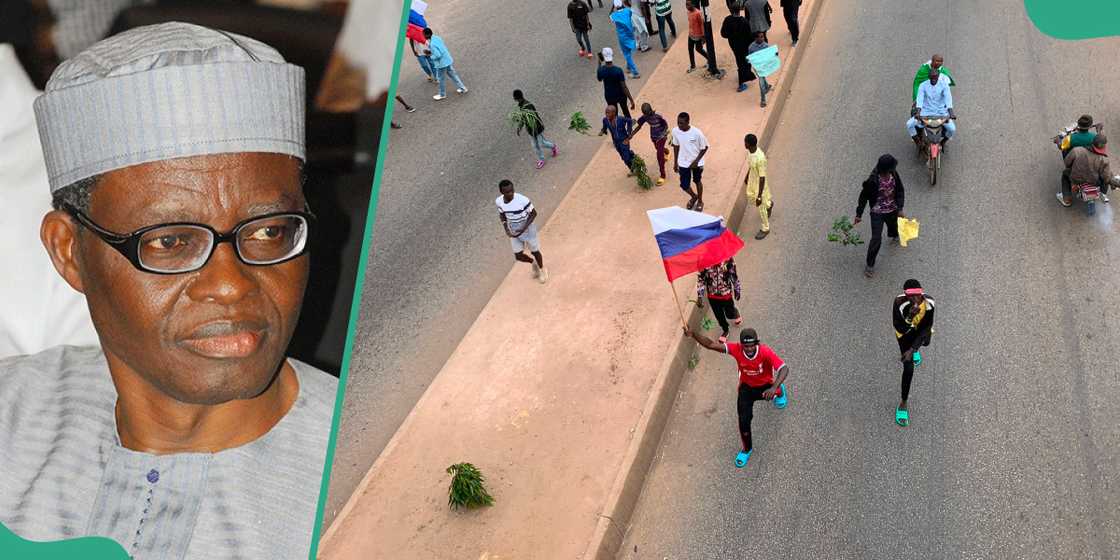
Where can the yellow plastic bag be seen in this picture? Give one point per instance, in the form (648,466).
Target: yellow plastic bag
(907,230)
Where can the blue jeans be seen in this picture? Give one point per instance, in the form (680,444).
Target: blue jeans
(913,125)
(661,21)
(540,142)
(443,73)
(584,40)
(762,87)
(624,152)
(426,65)
(628,54)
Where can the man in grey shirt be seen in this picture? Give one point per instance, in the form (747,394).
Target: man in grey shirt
(174,157)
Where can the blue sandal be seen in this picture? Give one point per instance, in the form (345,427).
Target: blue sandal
(902,417)
(917,358)
(742,458)
(781,401)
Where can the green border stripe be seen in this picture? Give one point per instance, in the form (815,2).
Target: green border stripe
(1074,20)
(355,305)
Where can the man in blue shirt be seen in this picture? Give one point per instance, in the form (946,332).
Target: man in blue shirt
(621,129)
(934,100)
(624,27)
(441,64)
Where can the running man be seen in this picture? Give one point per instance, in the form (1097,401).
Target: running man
(912,315)
(658,134)
(519,222)
(758,365)
(689,147)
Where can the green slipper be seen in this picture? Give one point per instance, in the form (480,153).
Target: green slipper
(901,417)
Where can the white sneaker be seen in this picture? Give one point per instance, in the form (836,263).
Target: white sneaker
(536,271)
(462,90)
(439,97)
(543,276)
(1104,197)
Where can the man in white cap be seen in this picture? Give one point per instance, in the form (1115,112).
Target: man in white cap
(174,155)
(615,91)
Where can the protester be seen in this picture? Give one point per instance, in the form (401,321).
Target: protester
(615,91)
(789,10)
(534,126)
(695,34)
(424,60)
(737,30)
(442,64)
(621,129)
(759,44)
(186,419)
(664,11)
(1087,166)
(912,316)
(658,134)
(581,25)
(623,19)
(721,284)
(884,193)
(641,28)
(689,147)
(935,62)
(757,191)
(758,12)
(758,365)
(518,218)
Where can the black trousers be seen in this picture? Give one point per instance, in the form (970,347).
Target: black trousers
(908,365)
(745,405)
(724,310)
(622,105)
(696,46)
(746,74)
(877,222)
(791,21)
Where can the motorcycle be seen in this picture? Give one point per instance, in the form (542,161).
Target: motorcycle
(1084,192)
(929,144)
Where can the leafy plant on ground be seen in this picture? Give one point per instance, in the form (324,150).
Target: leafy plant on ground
(468,487)
(638,168)
(842,232)
(708,323)
(519,117)
(578,123)
(693,360)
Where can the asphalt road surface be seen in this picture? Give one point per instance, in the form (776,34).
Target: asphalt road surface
(438,251)
(1014,445)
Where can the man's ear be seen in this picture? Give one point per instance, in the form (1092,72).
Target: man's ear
(59,234)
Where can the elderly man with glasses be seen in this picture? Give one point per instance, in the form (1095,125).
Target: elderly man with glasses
(174,157)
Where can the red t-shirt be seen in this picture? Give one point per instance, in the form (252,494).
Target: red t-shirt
(759,370)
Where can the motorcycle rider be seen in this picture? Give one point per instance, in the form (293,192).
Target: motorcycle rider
(936,62)
(1086,166)
(934,100)
(1081,136)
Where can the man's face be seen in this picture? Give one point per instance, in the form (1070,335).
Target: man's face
(647,110)
(936,62)
(933,76)
(750,349)
(209,336)
(507,193)
(916,301)
(682,123)
(611,112)
(750,147)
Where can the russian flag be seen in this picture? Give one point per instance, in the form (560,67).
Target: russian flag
(416,21)
(691,241)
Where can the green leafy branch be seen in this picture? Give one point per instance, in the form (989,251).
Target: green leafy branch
(638,168)
(520,118)
(467,487)
(578,123)
(842,232)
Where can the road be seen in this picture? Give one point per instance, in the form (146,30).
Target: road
(1014,447)
(438,252)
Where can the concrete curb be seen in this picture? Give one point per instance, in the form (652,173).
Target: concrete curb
(627,488)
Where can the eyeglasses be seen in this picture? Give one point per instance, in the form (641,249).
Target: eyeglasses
(181,247)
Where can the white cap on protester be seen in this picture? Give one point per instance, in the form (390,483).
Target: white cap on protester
(618,3)
(168,91)
(608,54)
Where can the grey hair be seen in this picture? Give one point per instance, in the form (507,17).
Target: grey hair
(75,195)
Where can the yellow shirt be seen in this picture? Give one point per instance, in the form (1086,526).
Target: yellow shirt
(757,162)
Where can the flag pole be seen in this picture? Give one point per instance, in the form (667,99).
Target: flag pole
(677,300)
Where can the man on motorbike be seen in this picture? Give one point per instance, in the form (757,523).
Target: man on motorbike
(933,100)
(1086,166)
(935,62)
(1081,136)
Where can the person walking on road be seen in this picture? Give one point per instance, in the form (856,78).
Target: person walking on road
(695,34)
(663,9)
(689,147)
(621,128)
(789,10)
(646,8)
(884,194)
(581,25)
(623,19)
(519,222)
(658,134)
(641,28)
(759,44)
(441,64)
(758,12)
(737,30)
(424,60)
(762,376)
(530,120)
(614,82)
(757,191)
(721,284)
(912,315)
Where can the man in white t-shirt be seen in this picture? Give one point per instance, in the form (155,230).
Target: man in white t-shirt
(519,222)
(689,147)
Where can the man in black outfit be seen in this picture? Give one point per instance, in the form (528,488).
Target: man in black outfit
(912,315)
(789,10)
(884,194)
(737,30)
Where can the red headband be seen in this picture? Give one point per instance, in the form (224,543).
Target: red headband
(914,292)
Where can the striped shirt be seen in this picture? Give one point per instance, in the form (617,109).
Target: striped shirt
(663,7)
(66,475)
(516,211)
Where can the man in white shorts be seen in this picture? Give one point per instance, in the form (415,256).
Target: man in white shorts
(519,222)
